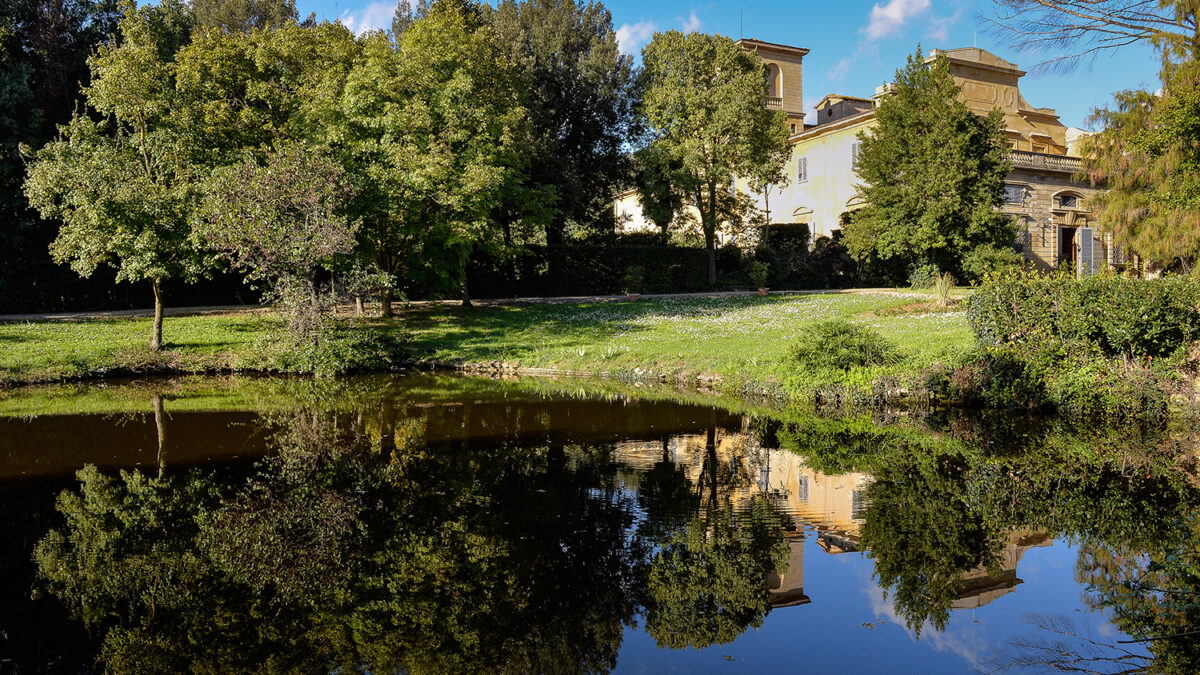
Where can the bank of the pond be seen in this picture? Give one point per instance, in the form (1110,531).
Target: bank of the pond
(733,344)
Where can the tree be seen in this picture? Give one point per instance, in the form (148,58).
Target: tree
(704,107)
(281,222)
(1146,156)
(44,46)
(243,15)
(123,186)
(659,194)
(932,174)
(1079,30)
(433,127)
(578,94)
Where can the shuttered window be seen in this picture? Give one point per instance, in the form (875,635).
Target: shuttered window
(801,169)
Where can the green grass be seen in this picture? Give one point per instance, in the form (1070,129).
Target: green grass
(56,350)
(741,339)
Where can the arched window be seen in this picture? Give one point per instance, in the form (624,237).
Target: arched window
(774,81)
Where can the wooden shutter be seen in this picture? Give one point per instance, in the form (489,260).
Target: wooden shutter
(801,169)
(1087,250)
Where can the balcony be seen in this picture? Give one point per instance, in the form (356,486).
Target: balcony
(774,103)
(1022,159)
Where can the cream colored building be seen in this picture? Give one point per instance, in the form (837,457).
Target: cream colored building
(1041,193)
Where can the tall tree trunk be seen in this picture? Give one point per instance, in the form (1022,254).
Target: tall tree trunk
(160,425)
(385,303)
(708,222)
(358,305)
(156,341)
(463,259)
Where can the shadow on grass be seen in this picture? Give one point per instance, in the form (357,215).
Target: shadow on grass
(517,331)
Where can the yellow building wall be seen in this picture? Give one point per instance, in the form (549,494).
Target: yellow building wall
(831,184)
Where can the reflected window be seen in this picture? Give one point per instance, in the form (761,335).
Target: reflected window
(802,490)
(858,504)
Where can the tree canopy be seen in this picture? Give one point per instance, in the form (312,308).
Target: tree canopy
(932,174)
(704,106)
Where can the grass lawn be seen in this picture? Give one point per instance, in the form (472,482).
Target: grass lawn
(742,339)
(739,338)
(54,350)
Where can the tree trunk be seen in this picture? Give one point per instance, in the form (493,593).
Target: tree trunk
(462,280)
(385,304)
(710,248)
(156,341)
(358,305)
(315,293)
(160,425)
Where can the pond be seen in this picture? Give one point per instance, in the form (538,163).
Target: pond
(452,524)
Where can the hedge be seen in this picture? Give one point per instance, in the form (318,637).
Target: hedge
(1105,316)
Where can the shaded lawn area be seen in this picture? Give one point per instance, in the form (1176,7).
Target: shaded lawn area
(59,349)
(738,337)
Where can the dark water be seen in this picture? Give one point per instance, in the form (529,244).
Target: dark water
(459,525)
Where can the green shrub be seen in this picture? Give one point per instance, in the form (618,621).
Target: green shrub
(923,275)
(842,345)
(1107,316)
(758,273)
(632,281)
(1099,388)
(991,262)
(336,350)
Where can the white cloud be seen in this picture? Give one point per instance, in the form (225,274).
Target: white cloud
(375,16)
(691,24)
(939,26)
(889,18)
(842,67)
(631,36)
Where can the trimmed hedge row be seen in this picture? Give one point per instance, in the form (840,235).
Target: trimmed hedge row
(1106,316)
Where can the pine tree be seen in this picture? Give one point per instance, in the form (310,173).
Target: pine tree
(932,174)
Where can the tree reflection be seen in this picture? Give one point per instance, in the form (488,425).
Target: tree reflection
(705,585)
(334,557)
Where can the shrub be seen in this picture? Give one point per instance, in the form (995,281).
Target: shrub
(632,281)
(991,262)
(336,350)
(842,345)
(942,287)
(1108,316)
(923,275)
(758,273)
(1100,388)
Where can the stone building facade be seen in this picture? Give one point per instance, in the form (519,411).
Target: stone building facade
(1042,194)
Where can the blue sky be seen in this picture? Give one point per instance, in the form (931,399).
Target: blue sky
(855,46)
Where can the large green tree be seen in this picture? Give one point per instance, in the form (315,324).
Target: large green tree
(578,94)
(123,186)
(1147,156)
(434,128)
(703,106)
(932,173)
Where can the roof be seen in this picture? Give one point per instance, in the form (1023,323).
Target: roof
(835,98)
(979,58)
(772,47)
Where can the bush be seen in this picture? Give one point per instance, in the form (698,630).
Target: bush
(758,273)
(632,281)
(923,275)
(1100,388)
(990,262)
(842,345)
(336,350)
(1107,316)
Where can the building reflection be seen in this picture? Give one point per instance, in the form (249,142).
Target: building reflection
(831,507)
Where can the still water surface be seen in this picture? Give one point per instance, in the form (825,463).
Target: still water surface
(451,524)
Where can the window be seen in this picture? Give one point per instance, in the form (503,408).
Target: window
(1038,147)
(855,151)
(793,128)
(1068,202)
(801,169)
(1014,194)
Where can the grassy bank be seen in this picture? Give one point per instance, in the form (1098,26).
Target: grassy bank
(737,340)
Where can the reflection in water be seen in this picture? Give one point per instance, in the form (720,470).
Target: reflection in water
(496,532)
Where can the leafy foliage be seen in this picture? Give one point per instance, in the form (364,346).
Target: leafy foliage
(842,345)
(703,107)
(932,171)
